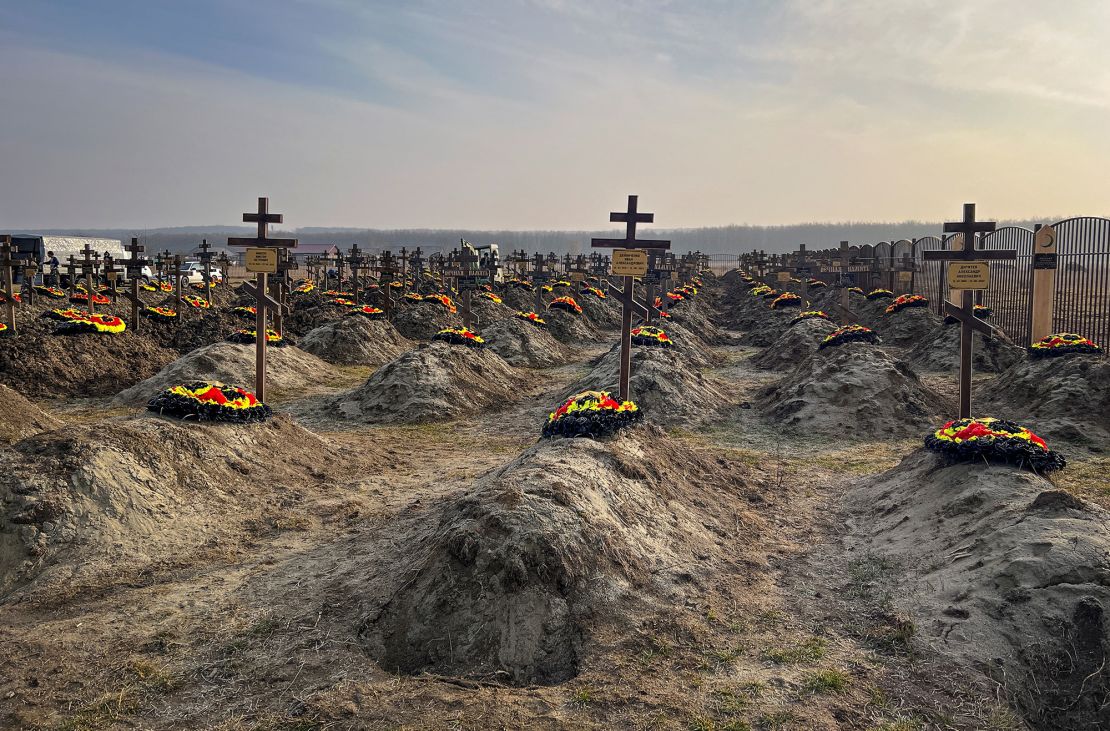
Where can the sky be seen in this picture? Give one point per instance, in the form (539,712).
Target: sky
(546,114)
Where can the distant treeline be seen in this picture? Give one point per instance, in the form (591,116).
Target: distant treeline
(716,240)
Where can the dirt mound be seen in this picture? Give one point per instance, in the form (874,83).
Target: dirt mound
(355,340)
(506,581)
(604,313)
(137,493)
(310,313)
(37,363)
(487,311)
(670,389)
(524,345)
(854,391)
(287,369)
(422,320)
(570,328)
(19,418)
(1005,573)
(763,327)
(793,346)
(432,383)
(696,316)
(939,350)
(520,299)
(907,327)
(1065,398)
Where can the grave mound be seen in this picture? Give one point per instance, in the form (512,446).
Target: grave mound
(431,383)
(695,315)
(853,391)
(939,350)
(307,315)
(570,328)
(355,340)
(422,320)
(41,365)
(19,418)
(508,579)
(764,326)
(797,343)
(525,345)
(1003,572)
(669,387)
(908,326)
(196,331)
(1065,398)
(287,369)
(487,311)
(605,313)
(92,502)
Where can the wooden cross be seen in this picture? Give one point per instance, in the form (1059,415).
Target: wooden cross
(134,267)
(658,272)
(416,261)
(357,261)
(845,284)
(964,312)
(386,268)
(205,258)
(225,267)
(178,282)
(539,276)
(630,218)
(88,268)
(263,218)
(6,263)
(404,259)
(802,271)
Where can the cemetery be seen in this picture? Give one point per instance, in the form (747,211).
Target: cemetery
(624,490)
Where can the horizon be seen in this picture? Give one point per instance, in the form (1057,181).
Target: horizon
(546,114)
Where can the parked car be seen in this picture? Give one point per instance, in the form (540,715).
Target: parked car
(195,273)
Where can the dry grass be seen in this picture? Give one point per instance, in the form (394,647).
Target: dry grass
(1087,479)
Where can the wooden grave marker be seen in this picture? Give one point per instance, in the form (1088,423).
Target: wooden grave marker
(539,276)
(630,217)
(6,264)
(386,268)
(258,290)
(965,269)
(1044,282)
(205,258)
(134,266)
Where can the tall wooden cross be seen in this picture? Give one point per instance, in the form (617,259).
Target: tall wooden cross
(539,276)
(134,266)
(845,284)
(658,272)
(357,261)
(629,218)
(179,273)
(89,266)
(802,270)
(262,240)
(6,263)
(416,262)
(963,269)
(404,260)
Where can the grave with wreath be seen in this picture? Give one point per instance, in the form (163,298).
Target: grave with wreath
(524,341)
(1061,387)
(289,370)
(939,350)
(566,321)
(907,320)
(421,319)
(1006,565)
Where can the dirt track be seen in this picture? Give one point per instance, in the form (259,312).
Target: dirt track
(763,622)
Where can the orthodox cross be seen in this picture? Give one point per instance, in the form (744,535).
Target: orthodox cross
(111,274)
(205,258)
(134,267)
(466,278)
(6,263)
(845,283)
(279,288)
(658,272)
(89,266)
(263,218)
(357,261)
(630,218)
(178,282)
(416,261)
(539,276)
(404,259)
(968,266)
(386,268)
(802,270)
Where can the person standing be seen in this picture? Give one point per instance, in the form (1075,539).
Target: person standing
(52,262)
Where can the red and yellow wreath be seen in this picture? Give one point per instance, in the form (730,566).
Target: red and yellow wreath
(592,414)
(443,300)
(247,313)
(159,313)
(91,323)
(51,292)
(850,334)
(1063,344)
(786,299)
(596,292)
(491,297)
(994,440)
(370,311)
(15,298)
(879,294)
(760,290)
(199,303)
(304,287)
(531,317)
(905,301)
(79,297)
(210,402)
(567,304)
(809,315)
(652,336)
(460,336)
(247,336)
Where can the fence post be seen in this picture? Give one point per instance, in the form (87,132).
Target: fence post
(1043,292)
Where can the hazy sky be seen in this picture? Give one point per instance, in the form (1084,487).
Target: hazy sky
(547,113)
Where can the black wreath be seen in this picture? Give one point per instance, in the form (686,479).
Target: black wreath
(650,342)
(1078,348)
(851,336)
(455,339)
(248,339)
(591,424)
(1008,450)
(183,407)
